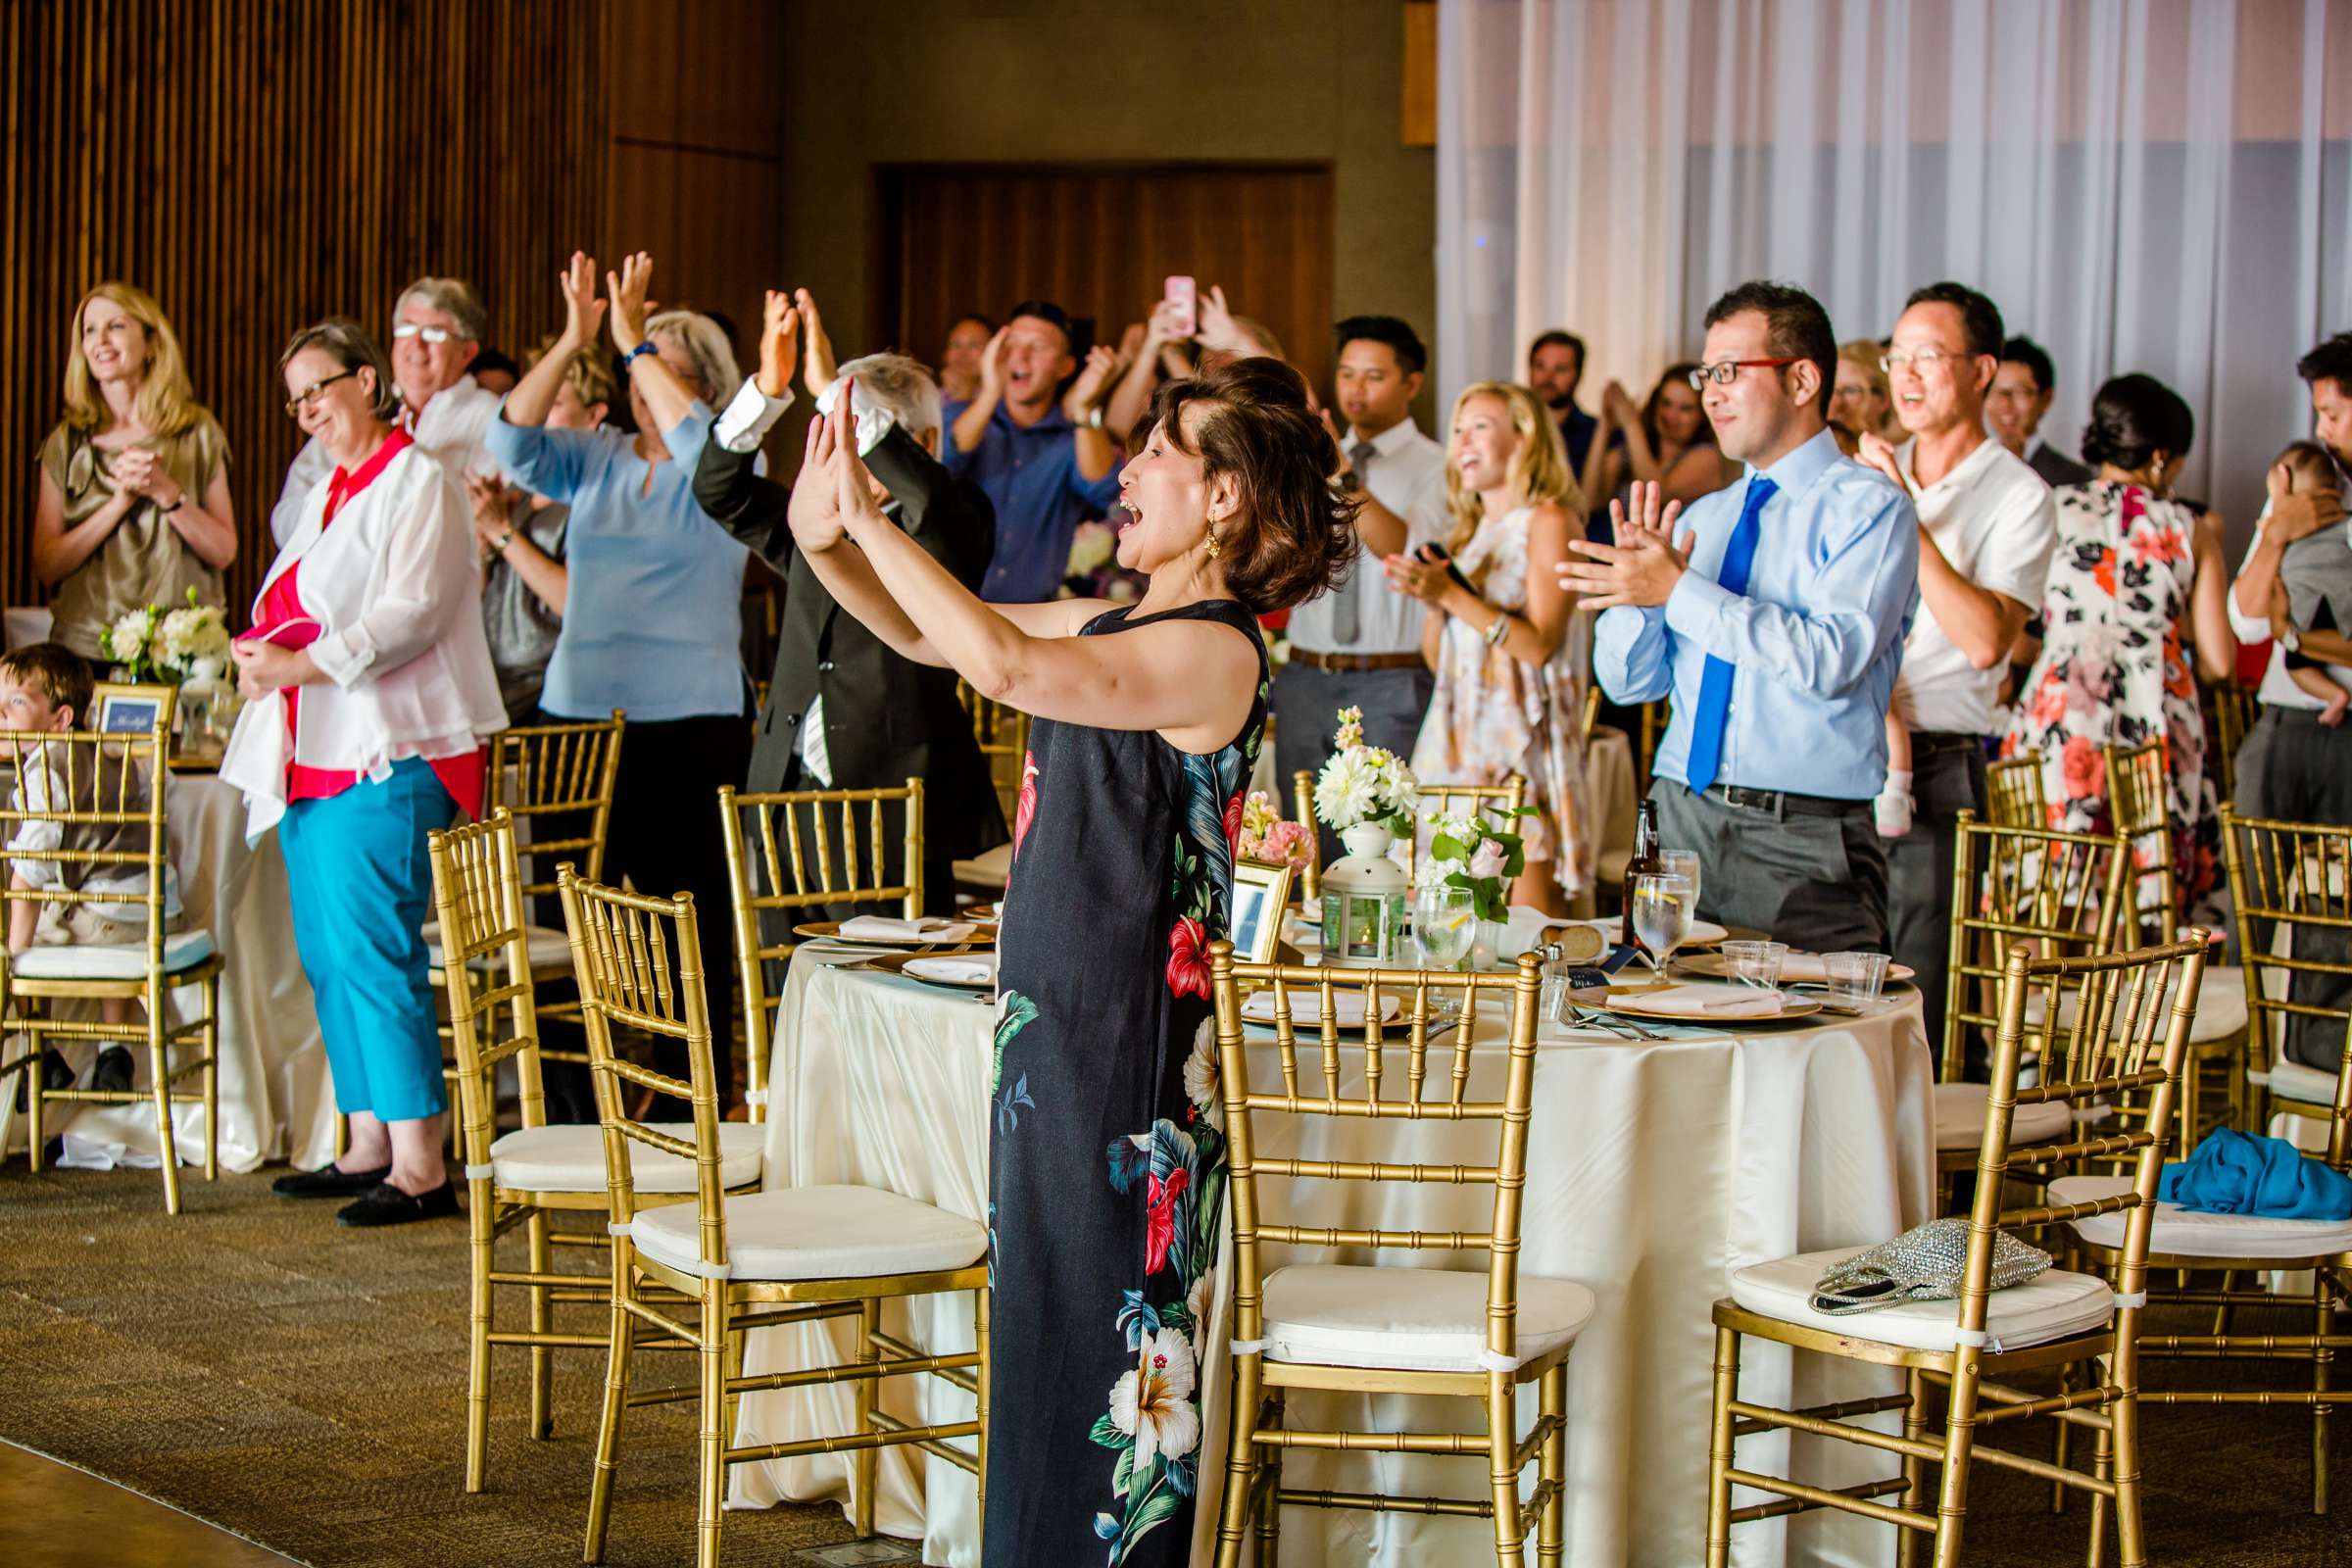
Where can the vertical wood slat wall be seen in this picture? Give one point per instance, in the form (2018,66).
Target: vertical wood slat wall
(258,163)
(1100,241)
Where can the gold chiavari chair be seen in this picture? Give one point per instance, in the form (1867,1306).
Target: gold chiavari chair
(1590,717)
(2192,1239)
(1476,1335)
(750,1262)
(1303,809)
(1505,799)
(555,781)
(2061,895)
(800,854)
(1655,716)
(55,769)
(2015,794)
(2128,1040)
(517,1181)
(2292,883)
(2233,707)
(1003,732)
(2139,803)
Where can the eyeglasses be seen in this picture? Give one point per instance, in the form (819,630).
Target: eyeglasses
(431,334)
(1722,371)
(310,394)
(1923,358)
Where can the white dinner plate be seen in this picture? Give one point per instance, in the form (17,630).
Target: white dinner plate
(1713,1003)
(1797,969)
(1703,933)
(968,972)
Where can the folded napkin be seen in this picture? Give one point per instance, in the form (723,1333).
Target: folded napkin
(1796,966)
(1306,1007)
(2234,1173)
(1713,1001)
(955,968)
(882,929)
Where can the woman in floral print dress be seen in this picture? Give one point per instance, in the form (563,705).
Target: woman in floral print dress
(1107,1168)
(2131,570)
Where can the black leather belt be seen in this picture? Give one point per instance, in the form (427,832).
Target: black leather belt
(1925,741)
(1783,802)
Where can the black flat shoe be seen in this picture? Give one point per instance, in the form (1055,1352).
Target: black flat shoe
(390,1205)
(329,1181)
(56,1073)
(114,1072)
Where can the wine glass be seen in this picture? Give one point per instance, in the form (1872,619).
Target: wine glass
(1445,924)
(1662,905)
(1685,864)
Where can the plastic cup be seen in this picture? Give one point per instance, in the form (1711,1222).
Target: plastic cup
(1854,976)
(1755,964)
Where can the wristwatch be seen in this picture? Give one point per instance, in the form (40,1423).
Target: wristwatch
(178,502)
(506,537)
(2290,639)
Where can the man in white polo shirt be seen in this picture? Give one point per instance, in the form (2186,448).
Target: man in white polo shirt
(1359,645)
(1987,529)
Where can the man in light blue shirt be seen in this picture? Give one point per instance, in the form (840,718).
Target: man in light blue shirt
(1773,613)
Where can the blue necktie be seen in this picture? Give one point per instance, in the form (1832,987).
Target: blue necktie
(1707,722)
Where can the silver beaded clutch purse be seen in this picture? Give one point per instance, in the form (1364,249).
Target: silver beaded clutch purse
(1922,1264)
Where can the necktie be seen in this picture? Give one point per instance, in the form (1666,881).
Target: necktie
(1707,719)
(1346,618)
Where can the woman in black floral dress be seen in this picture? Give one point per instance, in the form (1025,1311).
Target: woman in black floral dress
(1107,1168)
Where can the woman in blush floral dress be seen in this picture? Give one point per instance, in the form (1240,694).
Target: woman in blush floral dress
(1107,1162)
(1506,701)
(2132,570)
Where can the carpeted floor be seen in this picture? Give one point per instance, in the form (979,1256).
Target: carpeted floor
(302,1384)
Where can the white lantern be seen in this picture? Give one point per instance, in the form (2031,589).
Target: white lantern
(1364,901)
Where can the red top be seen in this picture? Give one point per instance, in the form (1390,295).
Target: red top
(463,775)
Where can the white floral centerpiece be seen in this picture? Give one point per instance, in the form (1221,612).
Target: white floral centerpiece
(186,646)
(1471,852)
(1368,797)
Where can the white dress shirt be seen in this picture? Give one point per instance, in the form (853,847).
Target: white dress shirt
(449,429)
(1406,476)
(2279,689)
(1991,517)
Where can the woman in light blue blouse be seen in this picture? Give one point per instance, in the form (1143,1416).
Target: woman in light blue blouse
(653,613)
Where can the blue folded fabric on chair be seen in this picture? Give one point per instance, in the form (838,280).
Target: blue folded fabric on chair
(2231,1173)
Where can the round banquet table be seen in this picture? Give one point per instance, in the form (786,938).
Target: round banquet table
(1655,1169)
(276,1101)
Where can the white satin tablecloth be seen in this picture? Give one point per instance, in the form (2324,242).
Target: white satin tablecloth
(1655,1170)
(276,1101)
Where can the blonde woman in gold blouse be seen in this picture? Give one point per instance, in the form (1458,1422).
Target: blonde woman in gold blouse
(135,504)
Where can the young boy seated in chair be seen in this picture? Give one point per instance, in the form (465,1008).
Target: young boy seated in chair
(47,687)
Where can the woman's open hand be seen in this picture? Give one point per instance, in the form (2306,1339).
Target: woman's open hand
(779,341)
(628,288)
(583,311)
(816,374)
(816,519)
(853,485)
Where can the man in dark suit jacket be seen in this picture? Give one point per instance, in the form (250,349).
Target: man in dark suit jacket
(881,718)
(2022,389)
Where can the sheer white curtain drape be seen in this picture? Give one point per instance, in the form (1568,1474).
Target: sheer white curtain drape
(2156,185)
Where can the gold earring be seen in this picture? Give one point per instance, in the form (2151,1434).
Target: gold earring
(1215,547)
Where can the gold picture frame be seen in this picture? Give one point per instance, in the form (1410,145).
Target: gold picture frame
(1260,894)
(120,707)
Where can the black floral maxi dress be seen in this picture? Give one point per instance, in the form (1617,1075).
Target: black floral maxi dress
(1107,1172)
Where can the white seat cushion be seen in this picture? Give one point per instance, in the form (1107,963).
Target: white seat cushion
(550,949)
(990,870)
(1410,1319)
(1960,1117)
(2052,1305)
(2193,1233)
(110,960)
(819,1233)
(2293,1080)
(571,1158)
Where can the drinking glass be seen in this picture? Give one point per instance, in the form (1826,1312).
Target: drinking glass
(1662,908)
(1445,924)
(1755,964)
(1685,864)
(1854,977)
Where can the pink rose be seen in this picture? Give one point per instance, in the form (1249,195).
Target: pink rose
(1487,859)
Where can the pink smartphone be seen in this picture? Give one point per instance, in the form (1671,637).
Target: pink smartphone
(1183,293)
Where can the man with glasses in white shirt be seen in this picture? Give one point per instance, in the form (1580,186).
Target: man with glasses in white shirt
(437,329)
(1987,529)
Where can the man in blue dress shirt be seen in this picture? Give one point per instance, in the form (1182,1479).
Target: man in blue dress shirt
(1773,613)
(1042,471)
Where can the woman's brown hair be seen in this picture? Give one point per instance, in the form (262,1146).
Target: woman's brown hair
(1296,531)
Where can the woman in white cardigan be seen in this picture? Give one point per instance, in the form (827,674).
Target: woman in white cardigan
(372,694)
